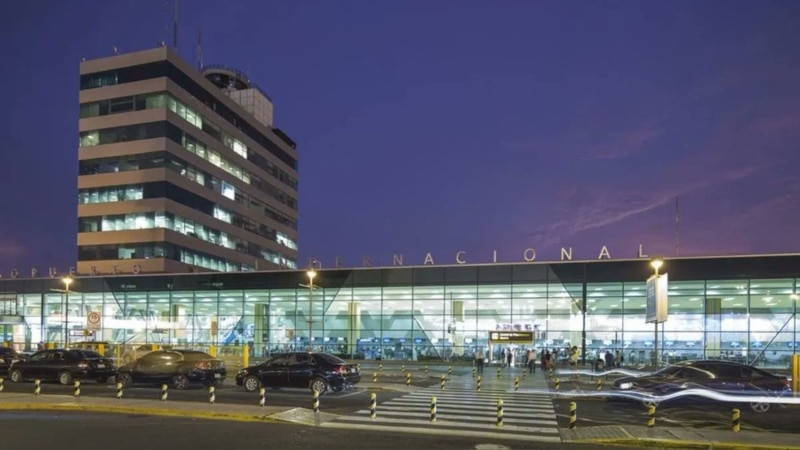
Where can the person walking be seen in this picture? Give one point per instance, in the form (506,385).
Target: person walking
(479,360)
(532,361)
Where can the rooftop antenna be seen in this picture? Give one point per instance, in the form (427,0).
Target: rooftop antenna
(199,51)
(175,27)
(677,228)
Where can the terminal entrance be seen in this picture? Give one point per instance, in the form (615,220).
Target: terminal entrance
(516,342)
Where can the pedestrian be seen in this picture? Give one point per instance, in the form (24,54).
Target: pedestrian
(532,361)
(509,357)
(479,360)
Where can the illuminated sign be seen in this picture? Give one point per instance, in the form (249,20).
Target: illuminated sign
(511,337)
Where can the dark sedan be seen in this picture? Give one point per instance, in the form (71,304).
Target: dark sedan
(181,368)
(8,356)
(63,366)
(317,371)
(723,377)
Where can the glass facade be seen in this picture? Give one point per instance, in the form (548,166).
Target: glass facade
(737,308)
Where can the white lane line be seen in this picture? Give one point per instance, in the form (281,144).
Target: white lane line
(444,432)
(486,419)
(474,412)
(468,407)
(467,402)
(348,395)
(449,424)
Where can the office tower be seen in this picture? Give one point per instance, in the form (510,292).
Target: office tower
(181,169)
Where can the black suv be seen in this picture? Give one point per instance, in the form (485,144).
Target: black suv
(316,371)
(63,366)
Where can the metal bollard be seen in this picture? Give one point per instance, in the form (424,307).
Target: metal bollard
(479,383)
(426,369)
(375,377)
(373,403)
(212,396)
(500,412)
(403,368)
(498,372)
(557,384)
(433,409)
(573,415)
(524,375)
(262,397)
(735,426)
(408,379)
(599,384)
(441,381)
(316,401)
(380,368)
(551,373)
(76,388)
(164,394)
(449,371)
(651,416)
(516,383)
(473,372)
(119,390)
(1,384)
(38,387)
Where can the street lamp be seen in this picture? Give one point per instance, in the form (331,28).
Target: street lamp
(67,281)
(656,264)
(311,273)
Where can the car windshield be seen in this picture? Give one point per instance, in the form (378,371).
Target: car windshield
(668,371)
(87,354)
(195,356)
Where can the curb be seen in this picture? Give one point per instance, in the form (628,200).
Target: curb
(161,412)
(675,443)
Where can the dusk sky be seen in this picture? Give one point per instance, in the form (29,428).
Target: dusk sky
(447,125)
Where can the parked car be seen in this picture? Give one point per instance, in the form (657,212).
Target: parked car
(8,356)
(63,365)
(181,368)
(715,375)
(318,371)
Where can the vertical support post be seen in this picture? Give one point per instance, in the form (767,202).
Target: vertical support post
(373,403)
(735,426)
(516,384)
(573,415)
(651,415)
(500,413)
(599,384)
(479,383)
(557,384)
(408,379)
(433,409)
(262,397)
(119,389)
(76,388)
(316,401)
(164,392)
(212,396)
(441,381)
(38,387)
(498,372)
(375,377)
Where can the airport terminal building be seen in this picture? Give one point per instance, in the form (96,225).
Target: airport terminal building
(735,307)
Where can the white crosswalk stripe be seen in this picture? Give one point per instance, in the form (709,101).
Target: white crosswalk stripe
(461,410)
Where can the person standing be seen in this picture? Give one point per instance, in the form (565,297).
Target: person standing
(532,361)
(479,360)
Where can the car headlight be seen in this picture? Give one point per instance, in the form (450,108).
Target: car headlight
(625,385)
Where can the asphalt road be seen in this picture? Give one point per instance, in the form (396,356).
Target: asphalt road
(593,411)
(121,432)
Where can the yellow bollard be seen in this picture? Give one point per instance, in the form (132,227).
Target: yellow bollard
(76,388)
(516,383)
(441,381)
(101,349)
(153,347)
(164,392)
(403,368)
(735,426)
(375,377)
(524,375)
(373,403)
(599,384)
(380,368)
(479,383)
(796,375)
(426,369)
(262,397)
(573,415)
(212,350)
(498,372)
(433,409)
(557,384)
(212,396)
(449,371)
(37,387)
(245,355)
(408,379)
(51,345)
(500,413)
(315,404)
(651,415)
(6,344)
(1,384)
(473,372)
(119,390)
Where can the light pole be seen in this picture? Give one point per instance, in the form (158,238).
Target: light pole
(656,264)
(311,273)
(67,281)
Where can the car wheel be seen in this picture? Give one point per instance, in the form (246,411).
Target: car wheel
(125,379)
(16,376)
(251,383)
(319,385)
(759,407)
(180,382)
(65,378)
(102,379)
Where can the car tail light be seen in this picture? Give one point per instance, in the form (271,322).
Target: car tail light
(341,369)
(203,365)
(83,364)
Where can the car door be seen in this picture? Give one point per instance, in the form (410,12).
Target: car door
(55,363)
(300,370)
(276,372)
(32,367)
(145,369)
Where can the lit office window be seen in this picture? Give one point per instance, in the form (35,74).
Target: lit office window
(228,191)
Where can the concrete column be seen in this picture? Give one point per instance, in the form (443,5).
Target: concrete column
(353,325)
(261,327)
(178,321)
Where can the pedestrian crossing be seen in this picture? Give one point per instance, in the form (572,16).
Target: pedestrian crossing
(461,410)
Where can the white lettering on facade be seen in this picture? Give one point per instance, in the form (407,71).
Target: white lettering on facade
(566,254)
(14,273)
(72,271)
(114,270)
(641,252)
(458,257)
(365,262)
(93,271)
(604,253)
(137,269)
(397,260)
(494,256)
(529,255)
(34,272)
(338,262)
(53,272)
(428,259)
